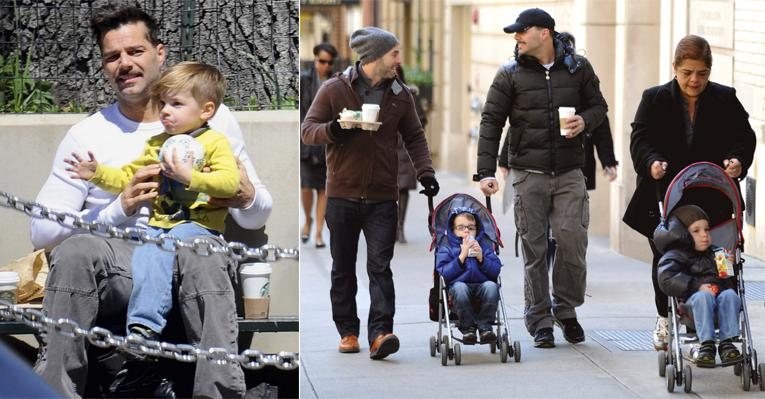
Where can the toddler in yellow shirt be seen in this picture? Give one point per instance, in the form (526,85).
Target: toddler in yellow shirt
(187,95)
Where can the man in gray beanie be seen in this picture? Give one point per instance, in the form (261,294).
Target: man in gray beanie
(372,43)
(362,181)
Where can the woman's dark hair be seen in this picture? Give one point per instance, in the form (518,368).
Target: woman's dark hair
(330,49)
(694,48)
(111,17)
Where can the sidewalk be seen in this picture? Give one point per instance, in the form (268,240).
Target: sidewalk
(619,304)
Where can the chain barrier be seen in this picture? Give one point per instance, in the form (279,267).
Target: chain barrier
(139,236)
(250,358)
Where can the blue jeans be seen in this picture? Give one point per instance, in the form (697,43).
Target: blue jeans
(346,220)
(151,298)
(705,306)
(486,293)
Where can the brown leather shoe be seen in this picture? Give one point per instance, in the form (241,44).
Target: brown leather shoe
(383,345)
(349,344)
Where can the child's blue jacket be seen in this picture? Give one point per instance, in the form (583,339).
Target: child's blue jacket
(448,263)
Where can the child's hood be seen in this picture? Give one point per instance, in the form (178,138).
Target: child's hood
(673,235)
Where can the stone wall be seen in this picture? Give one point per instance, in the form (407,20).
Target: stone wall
(254,43)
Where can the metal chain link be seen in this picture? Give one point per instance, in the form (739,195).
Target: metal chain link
(250,359)
(103,338)
(138,236)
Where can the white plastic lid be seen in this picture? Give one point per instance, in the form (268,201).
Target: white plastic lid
(9,278)
(370,106)
(251,269)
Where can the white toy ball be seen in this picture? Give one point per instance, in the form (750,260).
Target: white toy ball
(186,148)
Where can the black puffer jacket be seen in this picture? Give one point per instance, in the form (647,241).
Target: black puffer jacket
(530,95)
(682,270)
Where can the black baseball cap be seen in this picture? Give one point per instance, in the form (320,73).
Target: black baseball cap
(531,17)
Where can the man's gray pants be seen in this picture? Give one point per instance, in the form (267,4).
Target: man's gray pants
(561,203)
(90,282)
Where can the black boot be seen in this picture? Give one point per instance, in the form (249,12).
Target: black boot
(140,375)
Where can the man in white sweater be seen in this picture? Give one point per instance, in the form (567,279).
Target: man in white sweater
(90,278)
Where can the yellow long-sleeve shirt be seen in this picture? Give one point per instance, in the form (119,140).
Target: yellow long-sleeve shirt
(190,203)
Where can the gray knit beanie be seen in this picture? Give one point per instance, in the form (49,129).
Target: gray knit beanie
(371,43)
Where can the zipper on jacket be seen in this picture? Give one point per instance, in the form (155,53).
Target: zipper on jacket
(550,113)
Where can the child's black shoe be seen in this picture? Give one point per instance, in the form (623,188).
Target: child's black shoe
(706,354)
(469,337)
(728,351)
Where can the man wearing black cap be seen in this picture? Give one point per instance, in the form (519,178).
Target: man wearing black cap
(362,185)
(545,166)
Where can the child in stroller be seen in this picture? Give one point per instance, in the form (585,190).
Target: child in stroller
(470,268)
(688,270)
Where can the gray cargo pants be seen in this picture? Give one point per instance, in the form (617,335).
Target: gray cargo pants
(90,283)
(559,202)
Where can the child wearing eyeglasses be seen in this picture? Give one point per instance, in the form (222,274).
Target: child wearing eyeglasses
(470,268)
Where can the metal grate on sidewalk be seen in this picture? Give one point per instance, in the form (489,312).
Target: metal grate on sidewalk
(628,340)
(755,290)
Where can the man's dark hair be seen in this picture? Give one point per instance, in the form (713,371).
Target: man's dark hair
(330,49)
(113,16)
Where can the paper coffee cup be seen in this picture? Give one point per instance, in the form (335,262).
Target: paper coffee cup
(369,112)
(9,284)
(255,280)
(563,114)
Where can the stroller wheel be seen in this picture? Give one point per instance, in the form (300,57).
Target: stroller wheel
(662,363)
(493,347)
(457,354)
(737,369)
(516,351)
(687,378)
(503,351)
(432,346)
(746,376)
(670,377)
(761,373)
(444,353)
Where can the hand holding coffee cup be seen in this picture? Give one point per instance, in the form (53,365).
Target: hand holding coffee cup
(566,116)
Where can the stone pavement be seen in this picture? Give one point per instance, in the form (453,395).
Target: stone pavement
(619,302)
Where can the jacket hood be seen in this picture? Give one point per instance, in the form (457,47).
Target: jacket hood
(672,235)
(563,53)
(453,239)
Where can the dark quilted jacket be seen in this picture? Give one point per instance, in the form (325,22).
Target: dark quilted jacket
(529,95)
(682,269)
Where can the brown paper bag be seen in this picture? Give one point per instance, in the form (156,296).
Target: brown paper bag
(33,271)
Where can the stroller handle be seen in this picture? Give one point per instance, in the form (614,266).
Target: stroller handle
(660,199)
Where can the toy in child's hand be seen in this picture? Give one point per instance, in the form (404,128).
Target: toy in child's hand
(186,148)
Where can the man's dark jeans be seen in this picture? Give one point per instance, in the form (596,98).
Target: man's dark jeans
(346,219)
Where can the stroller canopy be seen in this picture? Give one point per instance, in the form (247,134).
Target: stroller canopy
(439,222)
(707,185)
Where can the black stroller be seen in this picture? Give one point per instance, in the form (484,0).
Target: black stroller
(708,186)
(447,344)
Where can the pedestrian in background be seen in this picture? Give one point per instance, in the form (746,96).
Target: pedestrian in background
(313,166)
(545,166)
(406,174)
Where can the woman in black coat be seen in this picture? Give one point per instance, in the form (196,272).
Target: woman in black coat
(687,120)
(313,166)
